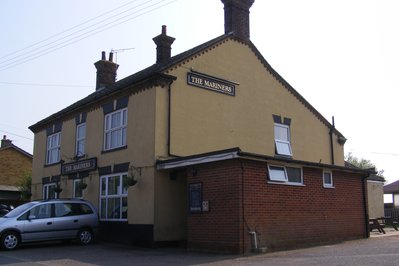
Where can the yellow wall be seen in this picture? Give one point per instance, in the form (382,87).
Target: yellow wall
(139,152)
(170,207)
(203,120)
(375,199)
(14,166)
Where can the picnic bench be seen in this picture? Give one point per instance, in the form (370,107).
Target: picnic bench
(381,222)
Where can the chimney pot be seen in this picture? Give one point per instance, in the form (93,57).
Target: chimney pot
(236,17)
(164,46)
(5,142)
(106,71)
(111,57)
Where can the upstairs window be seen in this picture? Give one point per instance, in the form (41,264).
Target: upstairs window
(327,179)
(115,129)
(285,174)
(282,139)
(53,148)
(80,139)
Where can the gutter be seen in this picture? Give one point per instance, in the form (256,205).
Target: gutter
(331,141)
(366,214)
(170,118)
(98,96)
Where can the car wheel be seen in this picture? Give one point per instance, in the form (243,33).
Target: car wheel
(85,236)
(10,240)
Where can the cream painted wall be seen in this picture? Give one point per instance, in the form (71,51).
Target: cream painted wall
(203,120)
(170,207)
(139,152)
(375,199)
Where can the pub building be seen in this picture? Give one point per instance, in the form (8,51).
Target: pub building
(211,149)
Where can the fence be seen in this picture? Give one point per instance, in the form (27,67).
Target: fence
(392,212)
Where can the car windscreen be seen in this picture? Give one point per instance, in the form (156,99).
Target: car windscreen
(19,210)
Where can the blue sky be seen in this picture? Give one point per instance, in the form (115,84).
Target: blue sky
(341,55)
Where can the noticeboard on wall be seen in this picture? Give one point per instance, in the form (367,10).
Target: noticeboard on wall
(195,197)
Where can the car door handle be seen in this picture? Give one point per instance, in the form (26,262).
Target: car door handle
(49,223)
(75,221)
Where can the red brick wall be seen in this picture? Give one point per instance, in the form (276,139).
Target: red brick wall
(287,216)
(219,229)
(282,215)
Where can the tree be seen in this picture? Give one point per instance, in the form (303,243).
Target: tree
(362,163)
(25,185)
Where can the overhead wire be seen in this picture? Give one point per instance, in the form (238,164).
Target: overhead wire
(87,34)
(44,85)
(14,134)
(41,48)
(69,29)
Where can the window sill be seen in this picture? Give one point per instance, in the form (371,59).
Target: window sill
(52,164)
(114,149)
(286,183)
(113,220)
(328,187)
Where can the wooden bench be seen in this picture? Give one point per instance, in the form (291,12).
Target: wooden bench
(377,223)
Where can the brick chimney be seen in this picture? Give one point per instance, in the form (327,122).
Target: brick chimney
(236,17)
(164,46)
(106,71)
(5,142)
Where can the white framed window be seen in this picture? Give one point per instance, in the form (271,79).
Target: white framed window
(282,139)
(77,188)
(328,179)
(48,191)
(113,197)
(285,174)
(80,139)
(53,148)
(277,173)
(115,129)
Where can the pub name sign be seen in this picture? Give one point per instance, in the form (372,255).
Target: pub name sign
(211,83)
(80,166)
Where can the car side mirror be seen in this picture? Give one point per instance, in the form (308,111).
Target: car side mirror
(31,217)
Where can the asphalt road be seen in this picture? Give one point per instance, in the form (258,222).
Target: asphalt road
(373,251)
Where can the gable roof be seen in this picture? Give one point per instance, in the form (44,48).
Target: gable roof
(156,71)
(392,188)
(12,146)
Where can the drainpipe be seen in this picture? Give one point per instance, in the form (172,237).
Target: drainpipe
(331,141)
(242,206)
(169,117)
(366,214)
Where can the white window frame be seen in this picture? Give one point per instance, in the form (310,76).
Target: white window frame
(80,140)
(76,183)
(120,130)
(325,184)
(47,190)
(283,146)
(283,179)
(279,170)
(53,146)
(106,196)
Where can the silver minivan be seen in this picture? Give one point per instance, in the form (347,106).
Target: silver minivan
(55,219)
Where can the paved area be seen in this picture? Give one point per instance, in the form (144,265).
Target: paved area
(379,249)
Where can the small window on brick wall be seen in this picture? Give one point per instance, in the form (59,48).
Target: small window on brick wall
(285,174)
(328,179)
